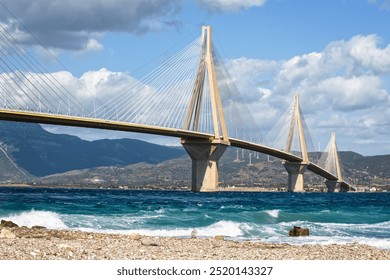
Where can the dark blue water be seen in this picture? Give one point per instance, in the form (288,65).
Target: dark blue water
(331,218)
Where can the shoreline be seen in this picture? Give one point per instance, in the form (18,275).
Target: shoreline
(38,243)
(159,188)
(140,188)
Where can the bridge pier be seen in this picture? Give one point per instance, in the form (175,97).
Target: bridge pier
(333,185)
(344,187)
(295,172)
(205,156)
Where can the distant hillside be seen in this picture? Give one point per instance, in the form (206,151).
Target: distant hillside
(41,153)
(375,165)
(10,171)
(263,172)
(175,173)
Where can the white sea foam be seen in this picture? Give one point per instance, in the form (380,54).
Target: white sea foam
(226,228)
(31,218)
(273,213)
(160,211)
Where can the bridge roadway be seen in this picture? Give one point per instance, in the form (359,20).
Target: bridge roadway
(67,120)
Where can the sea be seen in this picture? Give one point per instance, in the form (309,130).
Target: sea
(332,218)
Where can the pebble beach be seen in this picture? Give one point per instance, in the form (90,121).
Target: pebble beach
(38,243)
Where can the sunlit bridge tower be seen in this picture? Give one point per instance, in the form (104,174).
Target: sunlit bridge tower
(205,153)
(295,170)
(332,164)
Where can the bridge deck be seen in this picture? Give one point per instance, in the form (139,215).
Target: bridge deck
(48,118)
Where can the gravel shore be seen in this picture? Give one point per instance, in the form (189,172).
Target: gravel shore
(22,243)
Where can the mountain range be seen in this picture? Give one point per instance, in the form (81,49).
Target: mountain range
(40,153)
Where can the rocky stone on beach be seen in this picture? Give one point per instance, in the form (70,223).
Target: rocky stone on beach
(6,233)
(8,224)
(152,243)
(219,237)
(298,231)
(135,236)
(38,227)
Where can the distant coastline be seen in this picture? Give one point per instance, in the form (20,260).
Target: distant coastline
(180,188)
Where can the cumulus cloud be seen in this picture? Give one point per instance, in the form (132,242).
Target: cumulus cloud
(349,94)
(75,25)
(349,73)
(93,45)
(80,25)
(229,5)
(62,92)
(100,85)
(365,52)
(343,87)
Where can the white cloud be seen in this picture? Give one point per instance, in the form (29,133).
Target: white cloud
(48,92)
(251,75)
(80,25)
(349,73)
(93,45)
(365,52)
(95,88)
(73,25)
(342,88)
(347,94)
(230,5)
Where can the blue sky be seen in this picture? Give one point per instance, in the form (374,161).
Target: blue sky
(278,30)
(335,53)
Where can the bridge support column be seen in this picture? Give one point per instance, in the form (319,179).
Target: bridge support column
(295,172)
(205,156)
(333,185)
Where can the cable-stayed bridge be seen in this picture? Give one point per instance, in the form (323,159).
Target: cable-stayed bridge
(190,96)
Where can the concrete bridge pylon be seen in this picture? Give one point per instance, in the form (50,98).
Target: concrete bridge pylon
(295,170)
(205,154)
(335,185)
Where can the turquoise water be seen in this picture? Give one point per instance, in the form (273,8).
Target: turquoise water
(331,218)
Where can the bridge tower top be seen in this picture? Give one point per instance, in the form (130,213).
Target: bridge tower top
(206,66)
(330,159)
(296,123)
(335,155)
